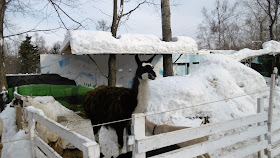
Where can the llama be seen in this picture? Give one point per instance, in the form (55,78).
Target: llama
(106,104)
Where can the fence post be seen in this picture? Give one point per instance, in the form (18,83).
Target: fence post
(91,150)
(271,99)
(138,130)
(31,125)
(260,109)
(270,112)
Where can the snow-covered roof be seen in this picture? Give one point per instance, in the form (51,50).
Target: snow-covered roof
(99,42)
(270,47)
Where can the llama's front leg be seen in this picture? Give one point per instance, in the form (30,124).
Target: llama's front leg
(128,133)
(96,131)
(120,139)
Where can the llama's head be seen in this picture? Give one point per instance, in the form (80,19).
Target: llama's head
(145,69)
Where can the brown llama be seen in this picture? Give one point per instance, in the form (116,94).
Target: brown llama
(106,104)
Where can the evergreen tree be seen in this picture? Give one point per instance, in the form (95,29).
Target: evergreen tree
(29,56)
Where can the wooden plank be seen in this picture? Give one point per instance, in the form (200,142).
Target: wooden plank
(19,117)
(248,150)
(158,141)
(260,109)
(275,137)
(271,105)
(138,121)
(275,151)
(31,125)
(46,148)
(275,125)
(211,146)
(70,136)
(91,150)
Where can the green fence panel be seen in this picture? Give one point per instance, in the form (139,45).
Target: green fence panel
(67,95)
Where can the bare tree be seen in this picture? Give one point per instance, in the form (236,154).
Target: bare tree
(255,21)
(3,82)
(118,14)
(11,58)
(167,36)
(102,25)
(20,6)
(222,26)
(40,42)
(55,48)
(271,7)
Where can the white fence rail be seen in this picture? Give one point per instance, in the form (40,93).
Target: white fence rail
(144,143)
(89,148)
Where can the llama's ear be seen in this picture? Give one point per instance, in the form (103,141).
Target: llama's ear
(138,60)
(151,59)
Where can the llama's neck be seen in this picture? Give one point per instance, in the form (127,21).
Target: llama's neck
(142,95)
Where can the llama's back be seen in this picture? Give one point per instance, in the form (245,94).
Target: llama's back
(106,104)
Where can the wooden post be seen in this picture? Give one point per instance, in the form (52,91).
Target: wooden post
(260,109)
(19,118)
(138,130)
(270,112)
(31,125)
(271,99)
(91,150)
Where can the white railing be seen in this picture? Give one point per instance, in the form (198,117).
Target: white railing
(89,148)
(143,144)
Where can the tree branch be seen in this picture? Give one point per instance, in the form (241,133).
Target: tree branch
(128,13)
(32,30)
(177,59)
(56,7)
(262,7)
(101,72)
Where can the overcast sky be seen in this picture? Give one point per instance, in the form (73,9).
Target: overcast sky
(185,17)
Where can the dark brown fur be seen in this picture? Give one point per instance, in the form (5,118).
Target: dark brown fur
(106,104)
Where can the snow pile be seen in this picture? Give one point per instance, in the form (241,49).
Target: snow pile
(98,42)
(15,143)
(218,78)
(36,111)
(269,47)
(272,46)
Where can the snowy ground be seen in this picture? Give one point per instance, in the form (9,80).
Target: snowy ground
(221,88)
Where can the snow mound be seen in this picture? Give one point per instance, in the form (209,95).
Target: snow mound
(269,47)
(217,79)
(272,46)
(15,143)
(99,42)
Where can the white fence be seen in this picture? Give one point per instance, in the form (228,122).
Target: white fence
(259,127)
(88,147)
(255,124)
